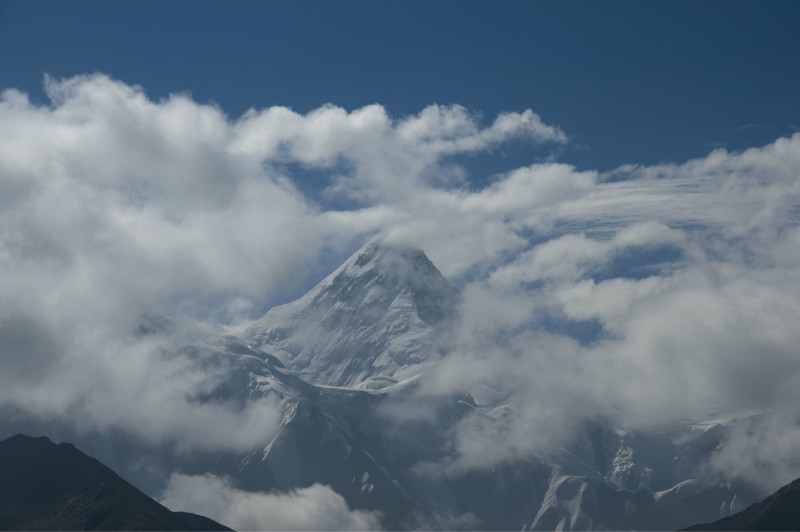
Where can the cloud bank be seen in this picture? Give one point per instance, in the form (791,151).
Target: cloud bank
(646,294)
(113,206)
(316,507)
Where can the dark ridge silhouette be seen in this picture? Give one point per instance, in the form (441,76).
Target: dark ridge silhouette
(779,511)
(44,486)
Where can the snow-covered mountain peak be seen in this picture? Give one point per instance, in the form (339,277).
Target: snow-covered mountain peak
(375,320)
(381,268)
(387,256)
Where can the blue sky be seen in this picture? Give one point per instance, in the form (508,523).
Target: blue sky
(629,82)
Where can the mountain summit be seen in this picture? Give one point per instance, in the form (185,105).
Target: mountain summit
(369,324)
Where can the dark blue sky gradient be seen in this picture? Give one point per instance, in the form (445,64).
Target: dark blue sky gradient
(629,82)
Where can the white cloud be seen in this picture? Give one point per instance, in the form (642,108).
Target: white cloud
(453,129)
(388,159)
(712,326)
(761,450)
(316,507)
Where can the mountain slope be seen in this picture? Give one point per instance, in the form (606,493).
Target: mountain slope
(376,320)
(607,479)
(44,486)
(779,511)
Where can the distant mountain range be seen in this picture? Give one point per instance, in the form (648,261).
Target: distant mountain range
(335,362)
(44,486)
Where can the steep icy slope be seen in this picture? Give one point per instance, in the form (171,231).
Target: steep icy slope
(376,320)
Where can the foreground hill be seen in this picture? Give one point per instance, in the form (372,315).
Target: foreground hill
(44,486)
(779,511)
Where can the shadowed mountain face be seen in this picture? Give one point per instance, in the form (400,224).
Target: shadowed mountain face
(779,511)
(44,486)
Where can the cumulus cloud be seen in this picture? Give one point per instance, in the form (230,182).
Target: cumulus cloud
(761,450)
(386,159)
(316,507)
(572,256)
